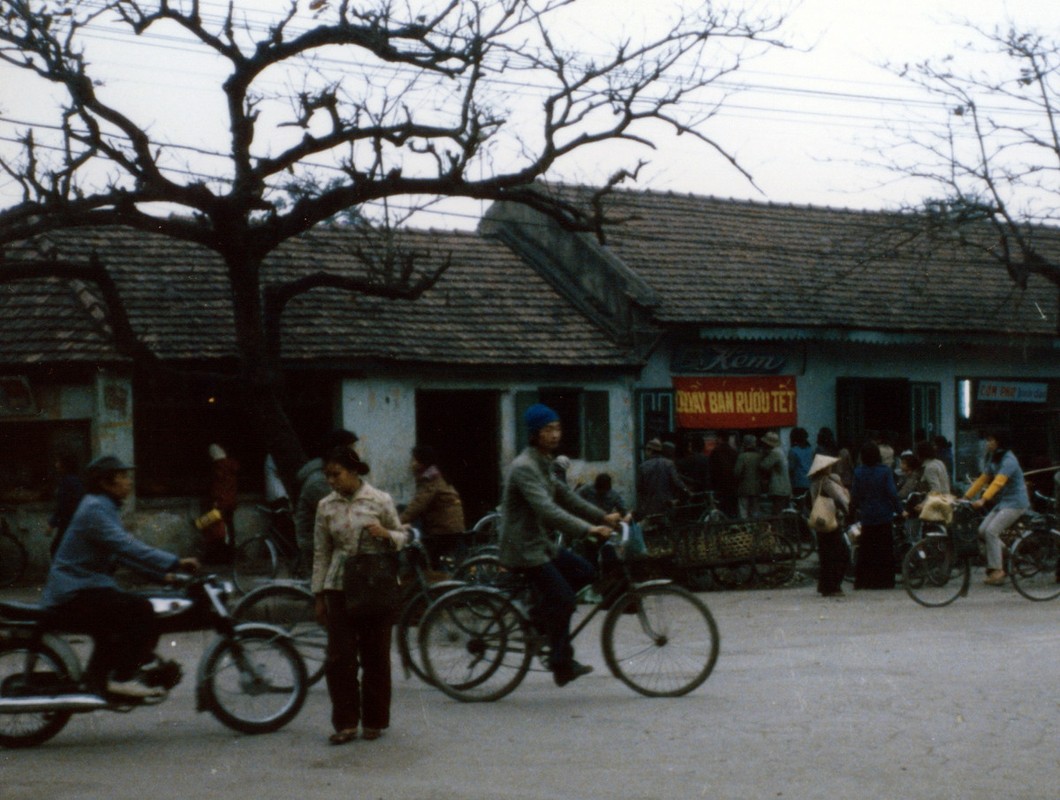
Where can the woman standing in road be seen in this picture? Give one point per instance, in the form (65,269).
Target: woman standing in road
(875,500)
(354,518)
(832,551)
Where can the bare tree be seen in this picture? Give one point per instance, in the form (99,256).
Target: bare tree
(996,157)
(379,100)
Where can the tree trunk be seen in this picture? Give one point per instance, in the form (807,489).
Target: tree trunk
(261,371)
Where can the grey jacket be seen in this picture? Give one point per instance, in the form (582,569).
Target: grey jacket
(535,505)
(775,466)
(313,487)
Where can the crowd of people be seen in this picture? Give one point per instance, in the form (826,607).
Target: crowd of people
(338,515)
(871,488)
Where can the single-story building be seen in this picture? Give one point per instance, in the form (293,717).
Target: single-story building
(773,316)
(694,315)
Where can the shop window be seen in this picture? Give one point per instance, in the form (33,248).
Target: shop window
(585,416)
(27,471)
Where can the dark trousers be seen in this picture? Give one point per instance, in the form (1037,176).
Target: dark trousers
(875,567)
(357,669)
(122,627)
(833,555)
(555,586)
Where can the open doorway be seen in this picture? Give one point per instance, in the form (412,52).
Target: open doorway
(463,427)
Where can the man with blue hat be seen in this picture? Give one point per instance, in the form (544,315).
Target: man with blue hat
(83,594)
(534,506)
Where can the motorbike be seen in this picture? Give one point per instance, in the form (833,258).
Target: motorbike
(250,677)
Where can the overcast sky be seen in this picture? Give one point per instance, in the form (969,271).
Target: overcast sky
(801,121)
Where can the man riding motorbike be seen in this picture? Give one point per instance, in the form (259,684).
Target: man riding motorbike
(83,595)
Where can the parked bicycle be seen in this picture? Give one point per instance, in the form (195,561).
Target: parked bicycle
(267,556)
(292,607)
(478,642)
(796,526)
(422,588)
(13,556)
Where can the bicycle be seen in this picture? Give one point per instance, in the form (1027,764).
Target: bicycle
(938,569)
(259,559)
(423,589)
(13,556)
(1035,561)
(477,642)
(290,606)
(796,526)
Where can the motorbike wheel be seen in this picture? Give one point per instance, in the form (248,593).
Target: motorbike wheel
(254,682)
(30,730)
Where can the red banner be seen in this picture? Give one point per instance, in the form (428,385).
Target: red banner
(749,402)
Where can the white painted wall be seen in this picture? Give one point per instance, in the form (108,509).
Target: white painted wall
(382,411)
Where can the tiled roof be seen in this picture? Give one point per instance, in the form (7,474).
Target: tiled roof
(488,309)
(729,264)
(45,320)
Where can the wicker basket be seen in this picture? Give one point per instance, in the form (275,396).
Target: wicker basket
(737,542)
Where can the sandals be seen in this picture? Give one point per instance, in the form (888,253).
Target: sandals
(344,736)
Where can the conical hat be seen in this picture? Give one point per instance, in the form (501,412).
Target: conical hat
(821,462)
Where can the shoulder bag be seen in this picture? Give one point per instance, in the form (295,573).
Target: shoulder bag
(370,583)
(822,514)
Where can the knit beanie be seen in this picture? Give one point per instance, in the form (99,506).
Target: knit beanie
(538,416)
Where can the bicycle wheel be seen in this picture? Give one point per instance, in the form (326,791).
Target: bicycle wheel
(734,576)
(30,730)
(253,682)
(13,559)
(474,645)
(256,562)
(776,566)
(1035,567)
(933,574)
(481,569)
(667,647)
(797,529)
(292,608)
(408,626)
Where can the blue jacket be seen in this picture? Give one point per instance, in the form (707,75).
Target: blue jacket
(800,459)
(94,546)
(874,495)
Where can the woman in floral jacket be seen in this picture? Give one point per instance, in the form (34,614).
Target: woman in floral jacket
(355,517)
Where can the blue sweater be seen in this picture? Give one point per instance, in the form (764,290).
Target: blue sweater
(874,495)
(94,546)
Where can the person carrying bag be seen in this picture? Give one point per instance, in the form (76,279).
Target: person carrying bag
(830,502)
(355,541)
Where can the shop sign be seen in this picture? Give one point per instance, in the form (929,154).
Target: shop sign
(736,402)
(1013,392)
(719,359)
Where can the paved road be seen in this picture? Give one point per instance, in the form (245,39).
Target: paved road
(870,696)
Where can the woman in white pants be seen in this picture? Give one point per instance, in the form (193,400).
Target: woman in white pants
(1007,490)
